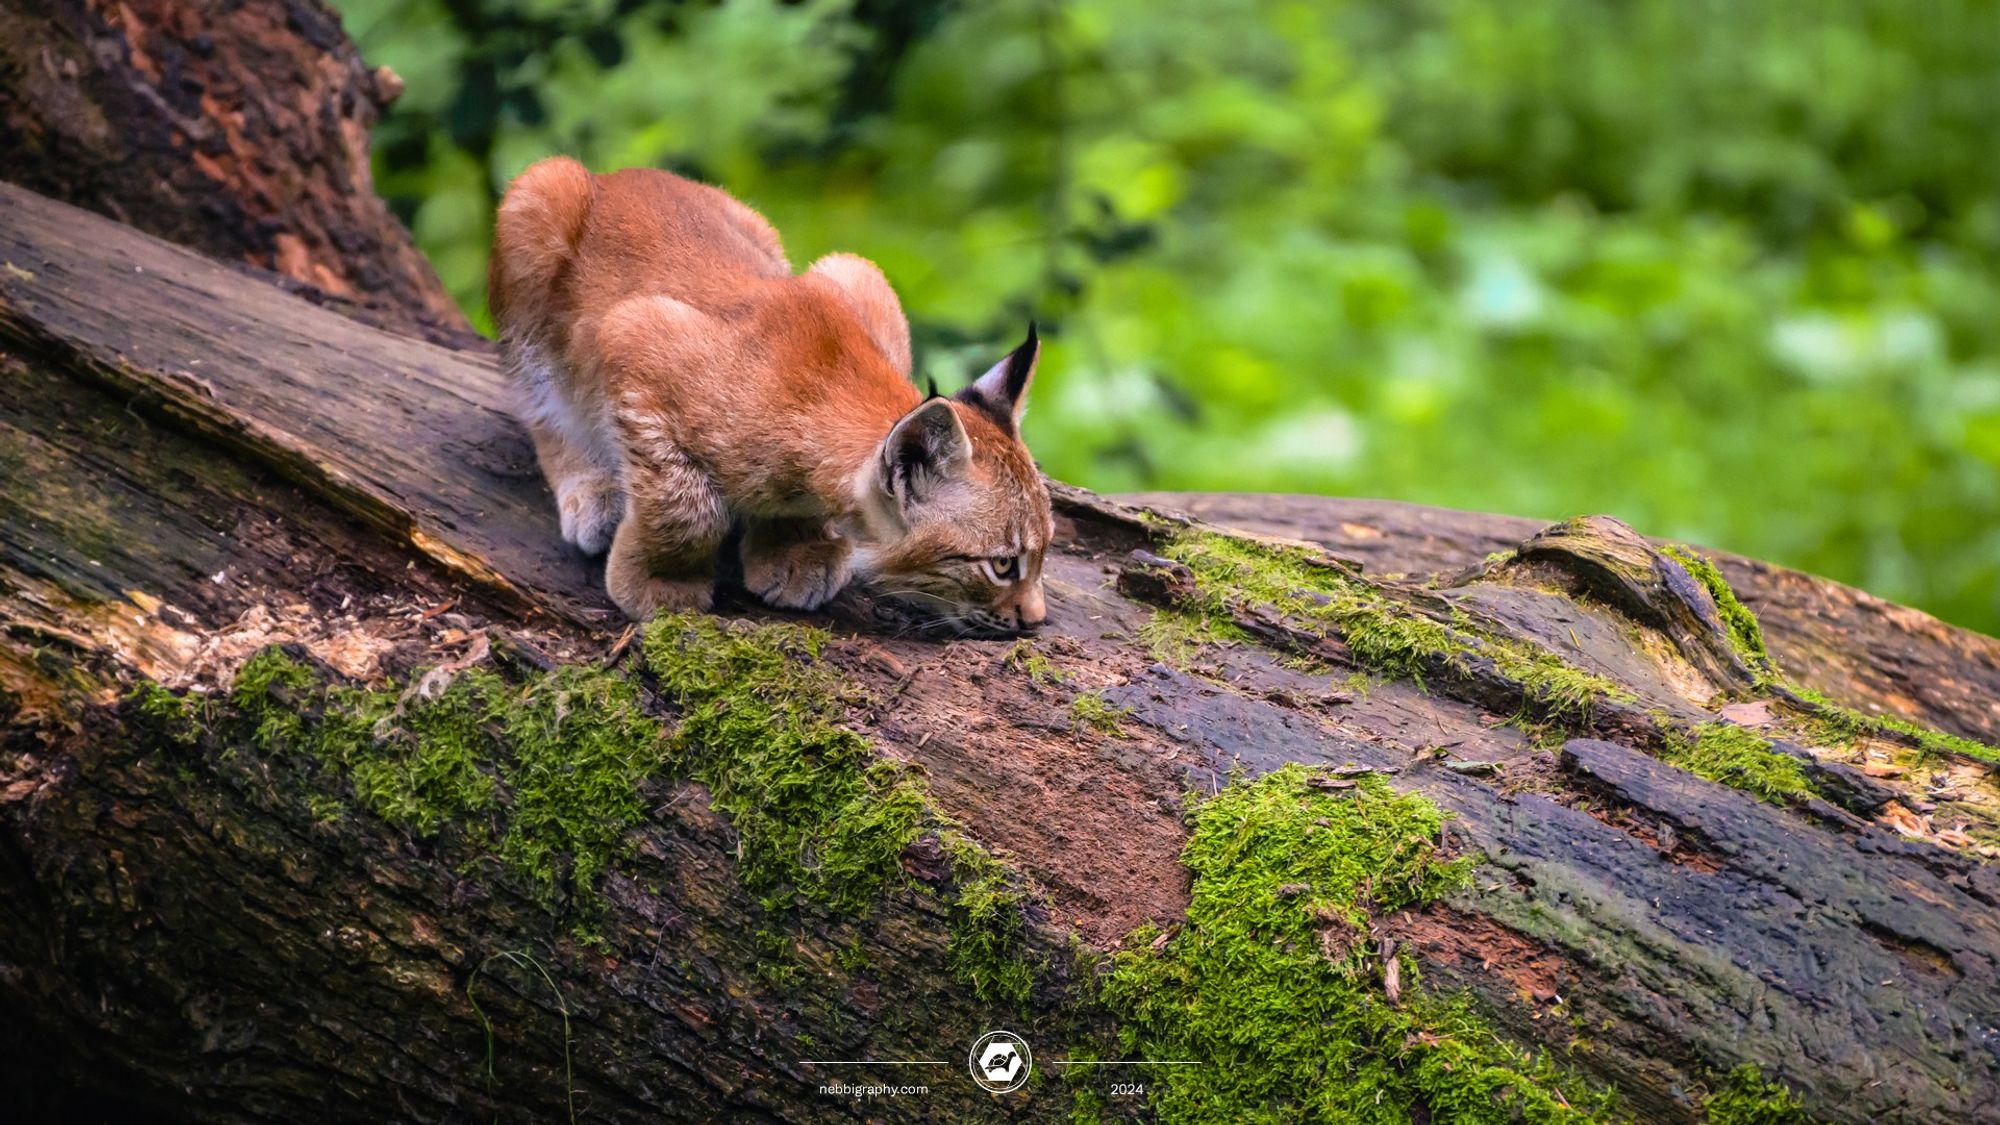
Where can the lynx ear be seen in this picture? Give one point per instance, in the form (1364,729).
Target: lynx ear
(867,292)
(1002,393)
(926,448)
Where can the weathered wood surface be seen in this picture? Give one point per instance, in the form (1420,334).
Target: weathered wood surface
(257,370)
(196,466)
(238,129)
(1872,654)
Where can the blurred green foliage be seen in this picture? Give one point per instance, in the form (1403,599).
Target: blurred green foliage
(1728,271)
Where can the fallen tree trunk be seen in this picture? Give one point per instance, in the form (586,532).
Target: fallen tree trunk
(463,847)
(1870,653)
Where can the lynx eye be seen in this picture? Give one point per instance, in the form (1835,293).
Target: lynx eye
(1005,568)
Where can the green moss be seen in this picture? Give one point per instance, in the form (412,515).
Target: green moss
(1087,1106)
(1833,722)
(1026,658)
(421,763)
(1384,636)
(988,930)
(265,674)
(1746,635)
(1937,742)
(851,957)
(1746,1099)
(822,817)
(547,775)
(1740,759)
(1090,711)
(1272,983)
(325,808)
(155,701)
(778,966)
(174,719)
(1231,570)
(551,776)
(1561,688)
(1174,637)
(582,748)
(269,688)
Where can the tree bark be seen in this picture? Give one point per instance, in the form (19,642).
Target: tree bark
(1873,654)
(240,130)
(200,465)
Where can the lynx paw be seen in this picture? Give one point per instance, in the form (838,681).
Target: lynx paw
(797,575)
(641,598)
(590,509)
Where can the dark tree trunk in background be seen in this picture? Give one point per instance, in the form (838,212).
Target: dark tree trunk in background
(196,464)
(239,130)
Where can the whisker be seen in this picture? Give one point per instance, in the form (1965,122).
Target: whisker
(942,613)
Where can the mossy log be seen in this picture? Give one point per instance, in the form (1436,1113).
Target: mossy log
(332,789)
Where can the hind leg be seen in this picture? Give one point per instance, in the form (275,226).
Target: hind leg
(663,554)
(589,500)
(582,474)
(535,235)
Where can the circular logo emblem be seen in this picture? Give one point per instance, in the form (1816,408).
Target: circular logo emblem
(1000,1061)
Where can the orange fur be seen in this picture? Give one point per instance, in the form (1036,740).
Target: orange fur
(677,377)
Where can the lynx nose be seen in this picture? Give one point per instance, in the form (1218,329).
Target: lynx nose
(1030,612)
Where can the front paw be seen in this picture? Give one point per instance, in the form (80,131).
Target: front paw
(797,575)
(590,510)
(641,592)
(641,598)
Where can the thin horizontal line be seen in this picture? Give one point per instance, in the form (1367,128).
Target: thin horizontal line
(1125,1062)
(874,1062)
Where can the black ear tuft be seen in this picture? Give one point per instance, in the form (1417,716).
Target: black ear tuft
(1021,364)
(930,387)
(1002,391)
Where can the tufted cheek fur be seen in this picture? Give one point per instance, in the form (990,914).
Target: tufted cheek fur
(998,507)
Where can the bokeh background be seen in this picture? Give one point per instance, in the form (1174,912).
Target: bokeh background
(1728,270)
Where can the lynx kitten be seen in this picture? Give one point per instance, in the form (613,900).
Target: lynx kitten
(678,377)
